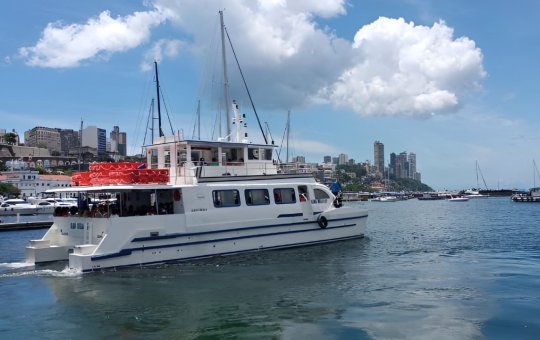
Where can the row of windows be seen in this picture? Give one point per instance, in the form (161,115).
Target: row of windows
(231,198)
(42,184)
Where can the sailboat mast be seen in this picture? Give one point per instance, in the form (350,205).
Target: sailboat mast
(477,182)
(153,118)
(225,79)
(158,100)
(288,130)
(80,144)
(199,119)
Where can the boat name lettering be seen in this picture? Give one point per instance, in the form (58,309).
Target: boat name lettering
(199,209)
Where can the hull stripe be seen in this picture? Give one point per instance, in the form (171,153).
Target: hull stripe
(175,235)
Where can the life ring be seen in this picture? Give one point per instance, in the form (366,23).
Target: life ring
(322,221)
(177,195)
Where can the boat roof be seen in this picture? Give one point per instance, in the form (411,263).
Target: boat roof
(116,188)
(207,143)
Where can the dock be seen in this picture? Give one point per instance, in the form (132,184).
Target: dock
(25,225)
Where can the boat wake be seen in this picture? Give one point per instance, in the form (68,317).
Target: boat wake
(66,272)
(15,265)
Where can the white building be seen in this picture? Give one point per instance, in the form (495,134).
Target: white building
(32,184)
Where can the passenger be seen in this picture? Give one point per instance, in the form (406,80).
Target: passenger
(94,210)
(336,187)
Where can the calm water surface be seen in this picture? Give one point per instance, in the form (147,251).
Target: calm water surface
(426,270)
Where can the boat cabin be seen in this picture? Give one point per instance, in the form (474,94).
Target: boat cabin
(190,160)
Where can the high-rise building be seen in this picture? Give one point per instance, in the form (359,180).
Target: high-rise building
(69,139)
(327,159)
(402,170)
(299,159)
(378,157)
(43,137)
(392,166)
(412,165)
(118,141)
(95,137)
(343,159)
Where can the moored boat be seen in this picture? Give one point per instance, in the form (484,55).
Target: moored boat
(473,193)
(458,199)
(533,195)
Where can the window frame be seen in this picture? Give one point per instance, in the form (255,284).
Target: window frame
(249,201)
(237,202)
(276,190)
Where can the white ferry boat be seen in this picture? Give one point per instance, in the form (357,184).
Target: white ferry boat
(180,209)
(192,199)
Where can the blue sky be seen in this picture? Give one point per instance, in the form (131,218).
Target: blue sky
(452,81)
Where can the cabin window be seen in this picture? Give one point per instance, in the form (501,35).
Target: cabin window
(257,197)
(253,153)
(167,159)
(153,159)
(181,157)
(284,196)
(303,193)
(320,196)
(226,198)
(267,154)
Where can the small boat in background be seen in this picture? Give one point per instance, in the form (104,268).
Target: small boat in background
(473,193)
(458,199)
(385,199)
(532,196)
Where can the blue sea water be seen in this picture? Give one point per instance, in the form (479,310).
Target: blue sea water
(426,270)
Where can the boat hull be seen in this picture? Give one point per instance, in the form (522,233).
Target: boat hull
(155,247)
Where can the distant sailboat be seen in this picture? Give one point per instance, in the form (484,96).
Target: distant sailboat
(475,193)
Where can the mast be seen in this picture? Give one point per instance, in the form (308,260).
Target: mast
(80,144)
(153,118)
(199,119)
(225,79)
(288,130)
(158,102)
(477,183)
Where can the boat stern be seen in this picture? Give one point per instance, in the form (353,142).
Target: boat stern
(41,251)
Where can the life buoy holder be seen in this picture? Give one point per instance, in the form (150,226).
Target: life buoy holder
(177,195)
(322,221)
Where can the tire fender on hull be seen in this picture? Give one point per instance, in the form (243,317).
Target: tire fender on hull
(322,221)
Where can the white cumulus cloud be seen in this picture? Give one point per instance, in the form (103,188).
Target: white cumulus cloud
(392,67)
(162,48)
(405,69)
(64,46)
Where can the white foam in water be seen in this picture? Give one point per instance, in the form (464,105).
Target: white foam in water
(66,272)
(16,265)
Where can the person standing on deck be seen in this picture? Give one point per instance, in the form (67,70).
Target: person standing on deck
(335,187)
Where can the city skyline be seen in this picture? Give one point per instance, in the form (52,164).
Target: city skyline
(422,76)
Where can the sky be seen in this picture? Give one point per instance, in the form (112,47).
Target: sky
(455,82)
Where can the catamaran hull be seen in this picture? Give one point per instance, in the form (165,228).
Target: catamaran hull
(151,250)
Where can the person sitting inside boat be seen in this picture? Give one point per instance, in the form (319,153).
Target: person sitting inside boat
(335,187)
(302,194)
